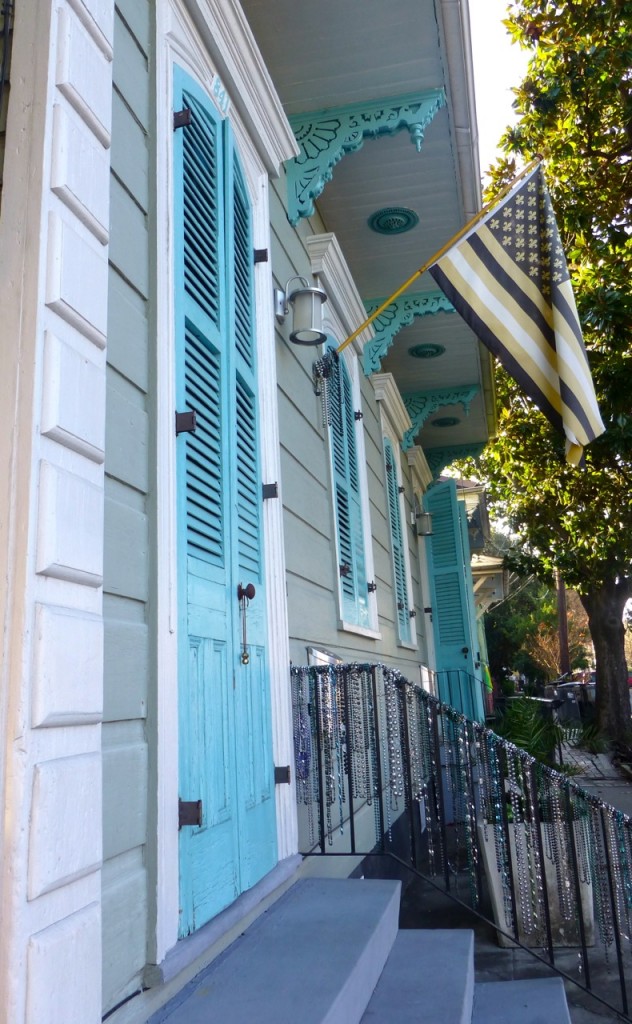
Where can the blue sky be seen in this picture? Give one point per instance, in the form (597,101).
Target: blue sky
(498,65)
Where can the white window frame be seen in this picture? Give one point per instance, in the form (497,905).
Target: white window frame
(350,360)
(395,421)
(342,313)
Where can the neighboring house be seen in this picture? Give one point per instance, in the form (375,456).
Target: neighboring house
(167,167)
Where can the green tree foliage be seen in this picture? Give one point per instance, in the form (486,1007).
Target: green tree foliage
(508,626)
(522,632)
(575,108)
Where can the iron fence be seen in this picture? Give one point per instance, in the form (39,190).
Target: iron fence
(460,689)
(383,767)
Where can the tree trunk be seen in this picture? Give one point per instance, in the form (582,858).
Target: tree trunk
(604,608)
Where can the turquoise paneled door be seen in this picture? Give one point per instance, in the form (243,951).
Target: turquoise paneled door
(225,753)
(452,601)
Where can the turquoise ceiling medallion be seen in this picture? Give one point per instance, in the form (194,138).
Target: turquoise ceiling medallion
(424,403)
(325,136)
(399,313)
(393,220)
(445,421)
(426,351)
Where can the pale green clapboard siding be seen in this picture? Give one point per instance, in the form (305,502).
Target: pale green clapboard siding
(137,16)
(304,496)
(128,332)
(127,525)
(129,247)
(124,771)
(312,583)
(127,421)
(131,76)
(126,673)
(129,163)
(124,882)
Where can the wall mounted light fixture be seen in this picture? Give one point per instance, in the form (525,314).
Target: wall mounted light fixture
(424,524)
(306,303)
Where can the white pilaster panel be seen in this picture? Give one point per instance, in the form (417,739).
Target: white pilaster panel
(276,595)
(64,971)
(77,281)
(70,534)
(98,18)
(54,235)
(73,399)
(66,820)
(83,76)
(67,667)
(80,172)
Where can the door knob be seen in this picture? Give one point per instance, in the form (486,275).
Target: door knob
(245,596)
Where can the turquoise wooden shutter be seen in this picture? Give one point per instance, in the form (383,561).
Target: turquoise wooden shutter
(200,276)
(203,229)
(453,619)
(247,467)
(347,501)
(397,544)
(225,741)
(204,504)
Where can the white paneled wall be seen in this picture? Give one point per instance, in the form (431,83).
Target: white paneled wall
(55,244)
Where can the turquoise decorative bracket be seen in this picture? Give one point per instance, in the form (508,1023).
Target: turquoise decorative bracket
(325,136)
(398,314)
(439,458)
(421,405)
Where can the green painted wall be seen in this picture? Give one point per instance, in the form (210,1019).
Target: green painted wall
(306,487)
(127,522)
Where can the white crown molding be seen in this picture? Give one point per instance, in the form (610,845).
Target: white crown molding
(227,37)
(419,465)
(330,266)
(387,392)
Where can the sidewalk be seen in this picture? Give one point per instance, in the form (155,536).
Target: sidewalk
(597,775)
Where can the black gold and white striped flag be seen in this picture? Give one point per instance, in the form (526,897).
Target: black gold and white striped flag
(509,281)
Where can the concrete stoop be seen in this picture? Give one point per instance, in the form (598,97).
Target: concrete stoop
(329,952)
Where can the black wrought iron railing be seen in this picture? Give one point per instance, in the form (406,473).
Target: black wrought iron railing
(386,769)
(460,689)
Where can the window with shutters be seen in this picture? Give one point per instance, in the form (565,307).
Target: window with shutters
(357,603)
(401,575)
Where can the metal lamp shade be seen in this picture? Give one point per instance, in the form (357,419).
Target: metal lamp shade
(307,316)
(424,524)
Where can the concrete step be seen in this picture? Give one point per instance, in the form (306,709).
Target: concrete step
(315,956)
(428,979)
(532,1001)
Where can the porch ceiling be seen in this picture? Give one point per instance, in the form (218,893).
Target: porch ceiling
(340,52)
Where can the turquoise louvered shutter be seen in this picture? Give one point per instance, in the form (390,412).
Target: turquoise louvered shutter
(204,502)
(247,466)
(347,501)
(397,544)
(225,742)
(453,619)
(203,227)
(199,275)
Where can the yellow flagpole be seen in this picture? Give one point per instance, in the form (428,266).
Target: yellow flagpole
(444,248)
